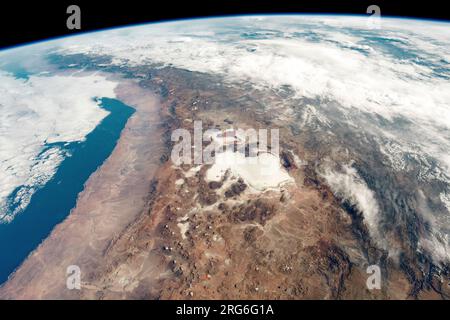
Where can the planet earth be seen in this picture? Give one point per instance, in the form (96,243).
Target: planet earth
(353,201)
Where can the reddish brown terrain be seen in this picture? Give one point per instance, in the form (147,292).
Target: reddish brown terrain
(144,228)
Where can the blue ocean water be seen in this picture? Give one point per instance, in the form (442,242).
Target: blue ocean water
(52,203)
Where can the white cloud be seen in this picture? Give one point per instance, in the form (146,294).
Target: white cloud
(436,242)
(332,67)
(38,111)
(445,198)
(348,185)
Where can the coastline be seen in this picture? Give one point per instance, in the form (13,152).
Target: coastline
(114,195)
(53,202)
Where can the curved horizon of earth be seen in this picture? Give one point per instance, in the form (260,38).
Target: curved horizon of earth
(363,112)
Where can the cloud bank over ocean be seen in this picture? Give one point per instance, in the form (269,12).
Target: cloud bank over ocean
(34,114)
